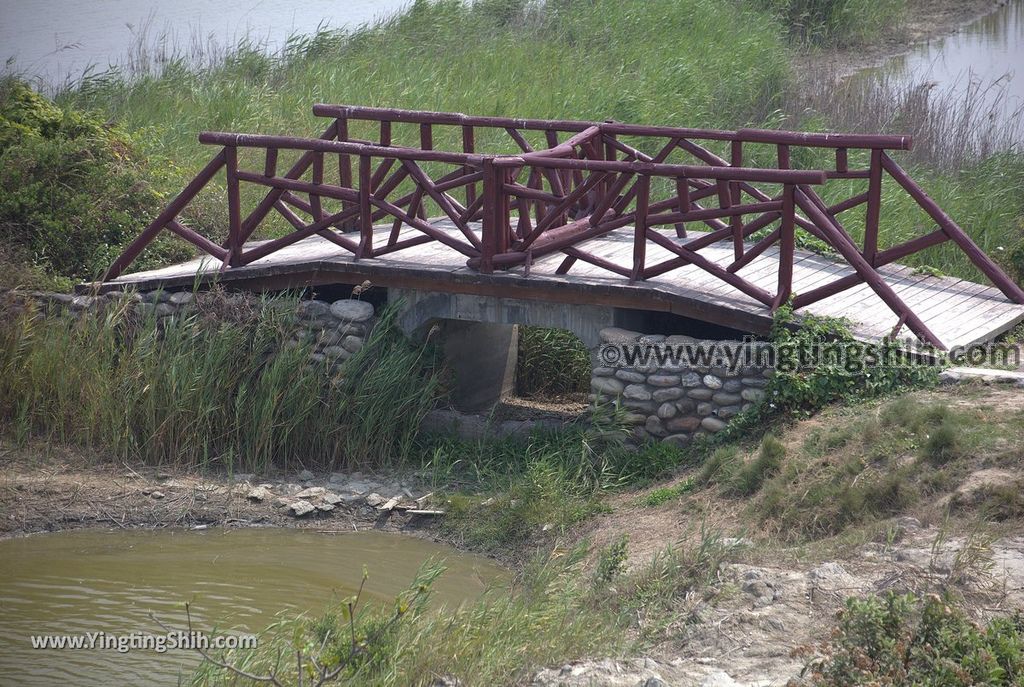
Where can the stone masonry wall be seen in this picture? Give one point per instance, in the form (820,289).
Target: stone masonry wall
(673,403)
(337,330)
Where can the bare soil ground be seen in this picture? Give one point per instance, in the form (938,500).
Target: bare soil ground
(45,490)
(764,618)
(759,623)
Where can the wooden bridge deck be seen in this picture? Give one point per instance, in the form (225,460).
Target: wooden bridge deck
(959,312)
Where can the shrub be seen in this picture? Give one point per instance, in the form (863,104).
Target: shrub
(73,191)
(903,640)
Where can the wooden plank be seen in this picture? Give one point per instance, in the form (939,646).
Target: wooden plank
(959,311)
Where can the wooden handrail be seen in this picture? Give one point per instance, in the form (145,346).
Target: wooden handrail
(545,200)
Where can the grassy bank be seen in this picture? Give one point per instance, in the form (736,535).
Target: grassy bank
(661,62)
(223,388)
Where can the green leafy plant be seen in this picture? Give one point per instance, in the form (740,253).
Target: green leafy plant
(903,640)
(73,191)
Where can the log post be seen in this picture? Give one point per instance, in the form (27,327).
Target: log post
(786,248)
(874,208)
(643,197)
(234,208)
(736,221)
(365,212)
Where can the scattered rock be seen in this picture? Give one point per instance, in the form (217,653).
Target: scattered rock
(181,298)
(332,498)
(311,493)
(259,494)
(618,335)
(301,507)
(305,476)
(374,499)
(609,386)
(719,678)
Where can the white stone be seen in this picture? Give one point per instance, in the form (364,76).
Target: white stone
(618,335)
(181,298)
(753,395)
(352,344)
(607,385)
(712,424)
(690,379)
(637,392)
(311,493)
(300,507)
(712,382)
(352,311)
(667,410)
(630,376)
(259,494)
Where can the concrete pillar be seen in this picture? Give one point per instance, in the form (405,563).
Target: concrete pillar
(483,359)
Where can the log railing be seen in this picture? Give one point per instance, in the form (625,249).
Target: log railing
(576,181)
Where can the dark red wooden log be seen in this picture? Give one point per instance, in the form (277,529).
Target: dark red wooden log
(865,270)
(196,239)
(815,140)
(282,184)
(698,260)
(234,246)
(910,247)
(325,146)
(643,198)
(265,249)
(318,180)
(787,247)
(756,250)
(193,187)
(270,163)
(365,216)
(297,170)
(874,207)
(999,278)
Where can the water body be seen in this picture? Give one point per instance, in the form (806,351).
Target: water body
(986,56)
(97,581)
(55,40)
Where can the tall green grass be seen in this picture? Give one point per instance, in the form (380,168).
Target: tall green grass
(680,62)
(199,391)
(553,613)
(842,22)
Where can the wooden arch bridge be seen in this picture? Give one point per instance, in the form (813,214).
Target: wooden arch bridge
(586,213)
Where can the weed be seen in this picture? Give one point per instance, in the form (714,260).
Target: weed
(904,640)
(748,479)
(551,362)
(197,391)
(612,559)
(663,495)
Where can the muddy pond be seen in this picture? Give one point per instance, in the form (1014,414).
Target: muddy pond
(239,581)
